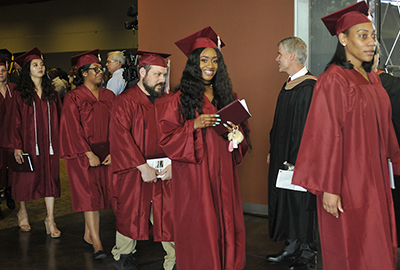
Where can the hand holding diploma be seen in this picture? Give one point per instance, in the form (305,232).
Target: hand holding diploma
(18,156)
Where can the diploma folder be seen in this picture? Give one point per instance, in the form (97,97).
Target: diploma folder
(27,166)
(236,112)
(102,150)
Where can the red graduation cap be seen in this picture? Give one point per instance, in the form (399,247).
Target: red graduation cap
(347,17)
(152,58)
(204,38)
(85,58)
(24,58)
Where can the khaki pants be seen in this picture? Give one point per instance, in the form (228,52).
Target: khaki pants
(126,245)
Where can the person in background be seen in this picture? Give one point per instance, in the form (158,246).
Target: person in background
(140,192)
(343,154)
(209,231)
(292,214)
(115,62)
(64,78)
(6,90)
(58,84)
(71,78)
(34,129)
(85,145)
(392,87)
(14,68)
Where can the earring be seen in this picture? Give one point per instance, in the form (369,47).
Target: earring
(344,45)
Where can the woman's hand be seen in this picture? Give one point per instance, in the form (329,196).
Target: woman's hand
(149,174)
(107,160)
(167,172)
(206,120)
(94,160)
(18,156)
(332,203)
(230,126)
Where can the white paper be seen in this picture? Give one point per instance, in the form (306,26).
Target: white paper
(243,102)
(284,180)
(159,164)
(391,175)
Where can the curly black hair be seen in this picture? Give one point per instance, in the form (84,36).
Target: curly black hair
(339,58)
(26,87)
(78,80)
(192,88)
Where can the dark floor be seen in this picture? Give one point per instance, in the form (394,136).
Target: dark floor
(36,251)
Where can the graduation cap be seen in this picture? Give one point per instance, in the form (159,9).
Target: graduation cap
(204,38)
(152,58)
(5,53)
(85,58)
(34,53)
(347,17)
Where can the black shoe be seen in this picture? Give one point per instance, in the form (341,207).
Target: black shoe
(99,255)
(86,244)
(283,257)
(10,201)
(126,262)
(304,264)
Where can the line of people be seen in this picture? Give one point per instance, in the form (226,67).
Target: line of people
(108,142)
(337,131)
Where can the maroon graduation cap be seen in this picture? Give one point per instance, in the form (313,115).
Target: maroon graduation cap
(204,38)
(85,58)
(152,58)
(24,58)
(343,19)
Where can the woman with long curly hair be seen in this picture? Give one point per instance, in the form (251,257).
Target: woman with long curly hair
(34,129)
(85,145)
(209,232)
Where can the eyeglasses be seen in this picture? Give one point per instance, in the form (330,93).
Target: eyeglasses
(96,69)
(110,61)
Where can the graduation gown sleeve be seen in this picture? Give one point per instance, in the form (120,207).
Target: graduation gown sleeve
(332,104)
(73,138)
(128,155)
(179,140)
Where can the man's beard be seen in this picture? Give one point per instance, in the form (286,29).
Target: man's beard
(152,89)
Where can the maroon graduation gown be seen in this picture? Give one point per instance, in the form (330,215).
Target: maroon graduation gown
(84,121)
(44,181)
(347,139)
(5,104)
(134,138)
(209,227)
